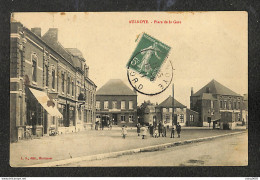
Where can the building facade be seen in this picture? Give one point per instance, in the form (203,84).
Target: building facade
(116,103)
(181,114)
(150,115)
(49,85)
(217,106)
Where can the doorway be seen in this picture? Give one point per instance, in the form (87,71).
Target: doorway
(45,122)
(114,119)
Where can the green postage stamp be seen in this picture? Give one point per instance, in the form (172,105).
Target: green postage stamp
(148,56)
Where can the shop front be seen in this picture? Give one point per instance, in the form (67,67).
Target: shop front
(42,114)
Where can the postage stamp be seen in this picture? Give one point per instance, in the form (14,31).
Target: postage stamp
(149,71)
(148,56)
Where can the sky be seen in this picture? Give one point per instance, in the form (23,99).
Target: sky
(204,46)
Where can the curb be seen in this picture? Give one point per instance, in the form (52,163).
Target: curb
(128,152)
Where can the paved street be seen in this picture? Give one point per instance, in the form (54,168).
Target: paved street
(225,151)
(85,143)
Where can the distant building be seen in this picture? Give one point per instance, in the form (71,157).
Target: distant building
(49,85)
(150,116)
(116,103)
(245,109)
(164,113)
(217,105)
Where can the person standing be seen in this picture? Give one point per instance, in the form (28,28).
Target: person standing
(172,131)
(144,130)
(160,128)
(124,131)
(96,125)
(178,128)
(151,130)
(164,130)
(156,132)
(103,124)
(138,126)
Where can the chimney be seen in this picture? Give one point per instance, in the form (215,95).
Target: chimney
(191,93)
(37,31)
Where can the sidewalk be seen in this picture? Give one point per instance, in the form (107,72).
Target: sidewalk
(87,143)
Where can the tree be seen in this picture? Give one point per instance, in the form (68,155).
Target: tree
(141,111)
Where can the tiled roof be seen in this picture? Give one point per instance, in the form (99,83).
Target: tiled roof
(168,103)
(216,88)
(115,87)
(51,38)
(75,52)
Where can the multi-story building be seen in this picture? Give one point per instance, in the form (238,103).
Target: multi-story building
(245,110)
(217,105)
(181,114)
(49,85)
(116,103)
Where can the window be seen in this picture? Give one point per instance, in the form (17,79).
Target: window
(211,104)
(34,67)
(68,85)
(229,105)
(98,105)
(72,88)
(123,118)
(62,82)
(238,105)
(235,105)
(53,79)
(130,104)
(221,104)
(46,76)
(225,104)
(62,109)
(191,118)
(122,104)
(170,109)
(114,105)
(182,118)
(164,109)
(106,105)
(131,118)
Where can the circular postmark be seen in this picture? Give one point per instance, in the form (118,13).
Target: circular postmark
(149,78)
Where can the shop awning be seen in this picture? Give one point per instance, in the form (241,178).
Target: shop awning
(46,103)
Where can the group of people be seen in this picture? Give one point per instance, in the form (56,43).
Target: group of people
(101,124)
(157,131)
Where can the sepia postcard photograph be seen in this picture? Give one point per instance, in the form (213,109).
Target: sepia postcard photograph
(129,89)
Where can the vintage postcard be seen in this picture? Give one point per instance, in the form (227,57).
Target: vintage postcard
(104,89)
